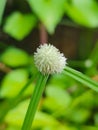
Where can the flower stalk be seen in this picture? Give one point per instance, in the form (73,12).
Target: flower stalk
(39,88)
(48,60)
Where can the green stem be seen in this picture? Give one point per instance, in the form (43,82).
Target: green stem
(34,102)
(81,78)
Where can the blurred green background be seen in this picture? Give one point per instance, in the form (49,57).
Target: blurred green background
(70,25)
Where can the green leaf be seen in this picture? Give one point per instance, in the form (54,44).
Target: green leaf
(15,57)
(78,115)
(60,127)
(84,12)
(11,103)
(16,116)
(61,81)
(89,103)
(49,12)
(13,82)
(81,78)
(12,128)
(89,128)
(56,95)
(19,25)
(2,6)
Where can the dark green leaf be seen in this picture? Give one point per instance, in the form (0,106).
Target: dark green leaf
(2,6)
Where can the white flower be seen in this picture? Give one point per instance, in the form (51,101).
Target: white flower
(49,60)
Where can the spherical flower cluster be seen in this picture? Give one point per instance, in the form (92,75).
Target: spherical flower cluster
(49,60)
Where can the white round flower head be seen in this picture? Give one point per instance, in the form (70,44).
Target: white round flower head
(49,60)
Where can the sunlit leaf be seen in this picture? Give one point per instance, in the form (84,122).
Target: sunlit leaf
(16,116)
(61,81)
(84,12)
(49,12)
(15,57)
(19,25)
(57,96)
(12,128)
(13,82)
(60,127)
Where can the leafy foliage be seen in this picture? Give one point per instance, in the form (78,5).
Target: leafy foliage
(70,100)
(15,57)
(49,12)
(2,7)
(84,12)
(12,86)
(19,25)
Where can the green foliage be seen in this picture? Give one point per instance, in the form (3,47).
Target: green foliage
(56,95)
(89,128)
(39,88)
(94,56)
(13,128)
(41,120)
(19,25)
(11,85)
(78,115)
(84,12)
(49,12)
(67,103)
(61,81)
(15,57)
(81,78)
(2,7)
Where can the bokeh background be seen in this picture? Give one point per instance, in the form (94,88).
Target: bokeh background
(70,25)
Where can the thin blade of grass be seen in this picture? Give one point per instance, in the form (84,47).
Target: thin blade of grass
(80,77)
